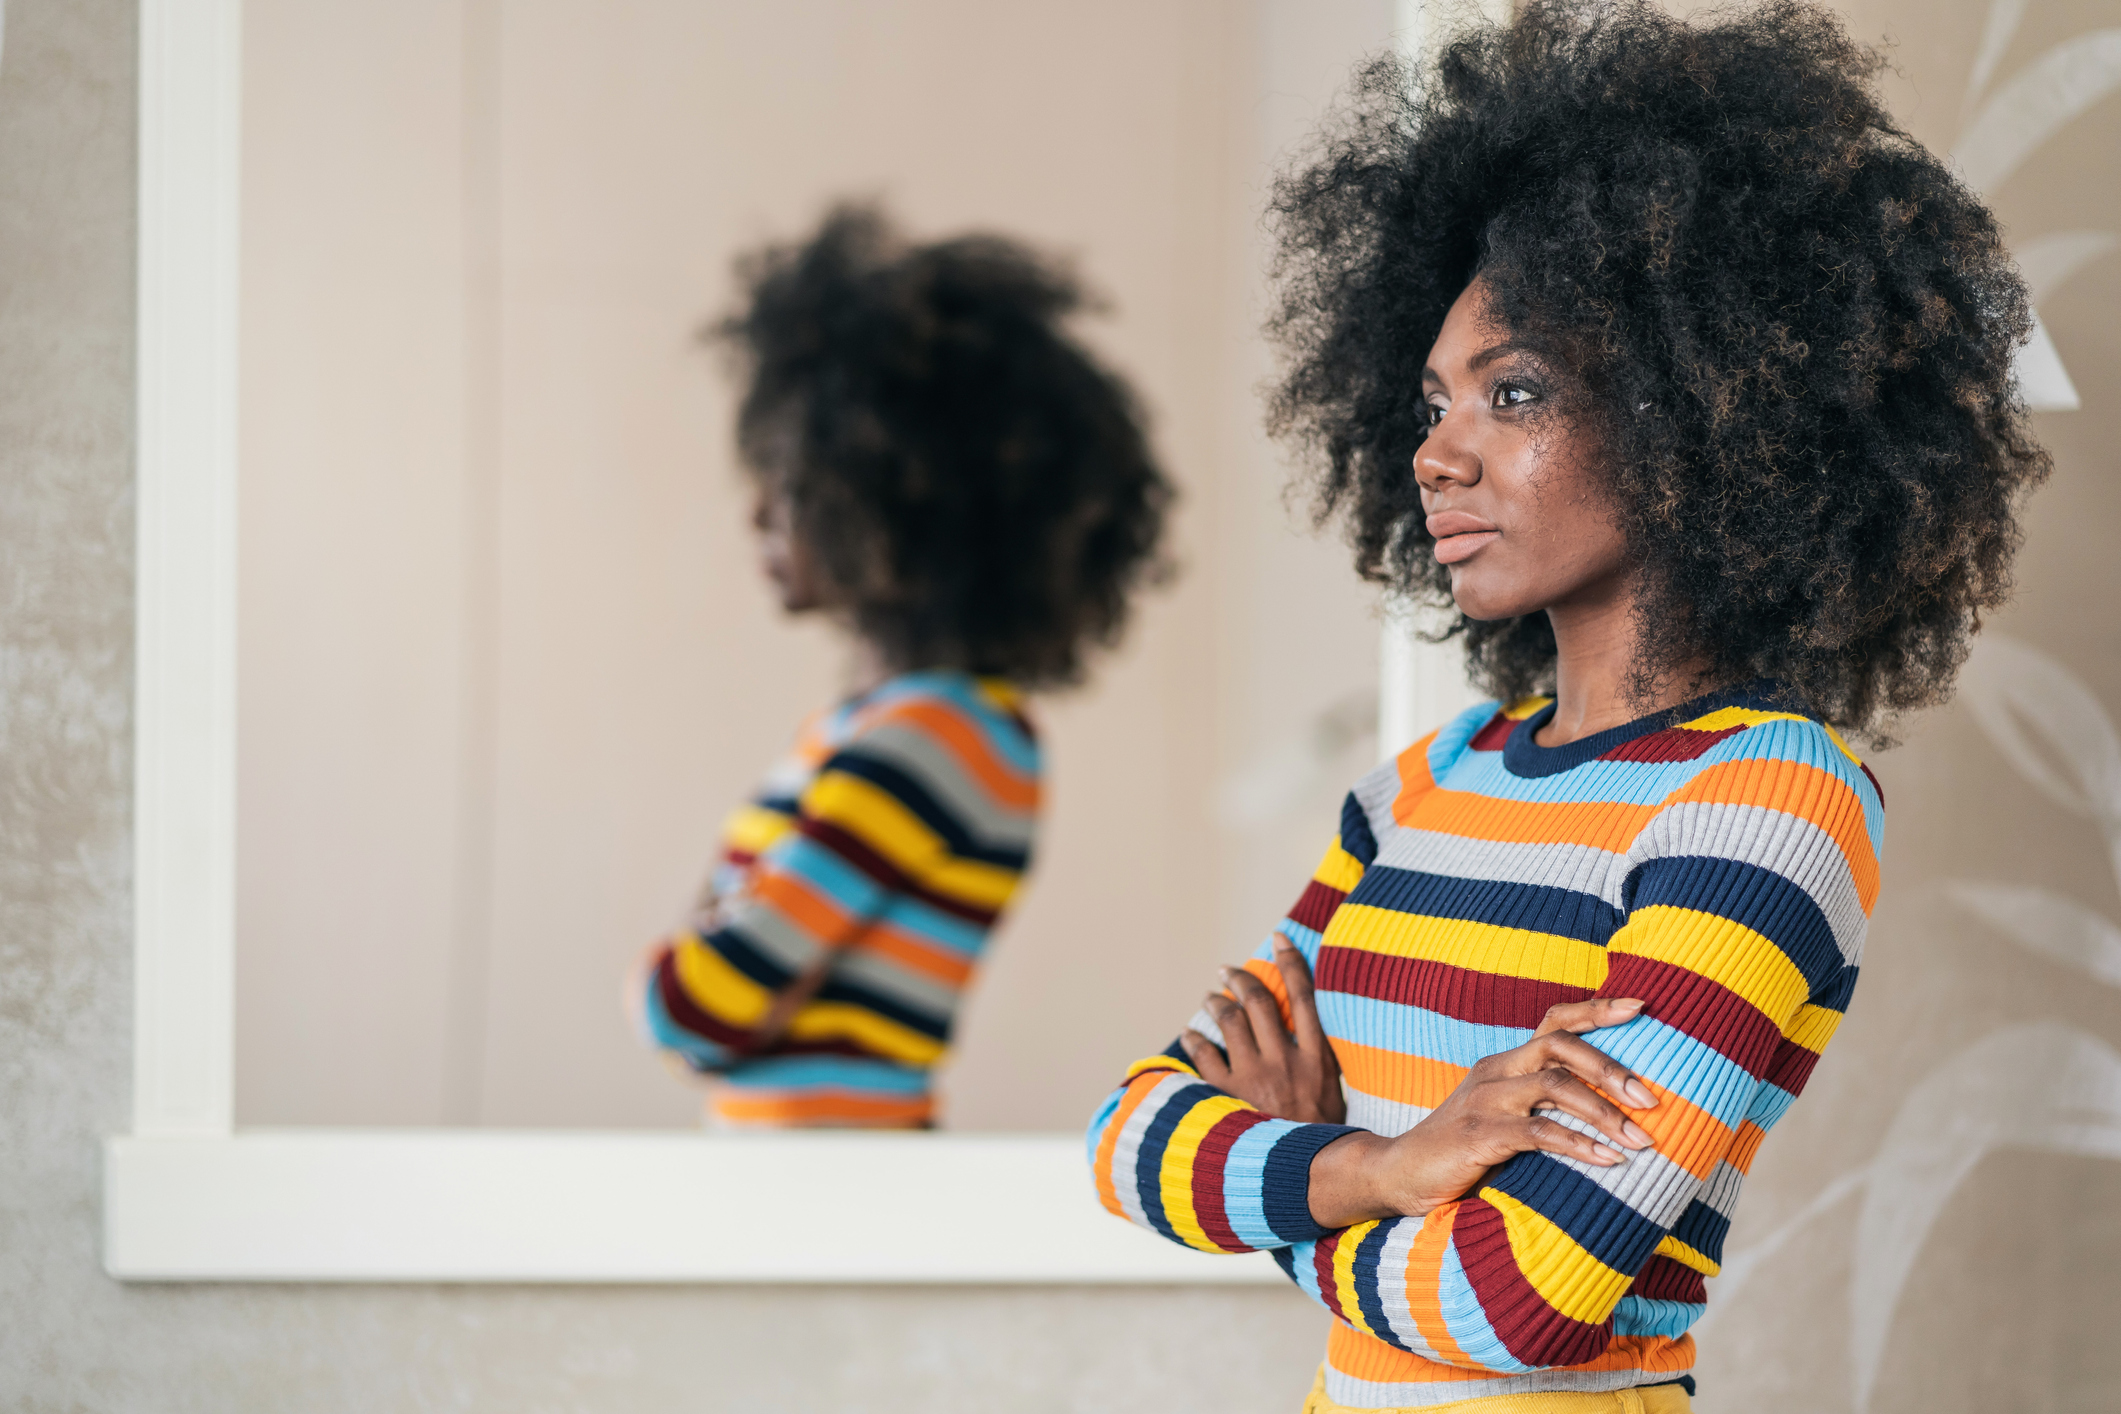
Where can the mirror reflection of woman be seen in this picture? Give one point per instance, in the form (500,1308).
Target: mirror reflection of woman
(1663,355)
(943,471)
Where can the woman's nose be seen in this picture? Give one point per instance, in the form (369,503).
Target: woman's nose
(1443,457)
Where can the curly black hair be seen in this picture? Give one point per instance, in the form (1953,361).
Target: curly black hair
(1793,329)
(977,490)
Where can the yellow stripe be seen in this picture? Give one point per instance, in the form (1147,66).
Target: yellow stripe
(1339,869)
(1483,947)
(1729,954)
(1177,1172)
(1686,1256)
(721,990)
(1159,1063)
(877,1034)
(1350,1243)
(1524,707)
(895,832)
(1567,1277)
(1814,1027)
(752,828)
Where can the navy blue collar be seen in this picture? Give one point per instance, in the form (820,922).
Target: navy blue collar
(1522,756)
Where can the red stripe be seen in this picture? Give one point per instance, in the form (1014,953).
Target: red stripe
(1214,1153)
(1708,1011)
(1663,1279)
(1671,744)
(856,851)
(1322,1269)
(1492,736)
(1529,1329)
(1791,1067)
(1486,998)
(1315,909)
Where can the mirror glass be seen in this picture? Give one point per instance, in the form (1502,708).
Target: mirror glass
(506,657)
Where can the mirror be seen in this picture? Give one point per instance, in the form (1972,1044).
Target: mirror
(505,657)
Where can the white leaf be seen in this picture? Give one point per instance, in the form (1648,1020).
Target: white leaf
(2042,380)
(2048,261)
(2037,100)
(2003,18)
(2048,726)
(2041,1086)
(2046,923)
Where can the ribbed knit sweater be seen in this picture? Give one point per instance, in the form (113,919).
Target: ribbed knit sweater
(1718,861)
(886,844)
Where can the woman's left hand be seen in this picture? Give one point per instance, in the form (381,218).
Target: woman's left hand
(1287,1073)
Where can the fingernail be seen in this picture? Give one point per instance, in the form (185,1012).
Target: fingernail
(1635,1134)
(1639,1094)
(1224,971)
(1605,1155)
(1281,944)
(1629,1004)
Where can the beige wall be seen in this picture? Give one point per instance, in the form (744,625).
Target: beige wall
(2007,1305)
(505,658)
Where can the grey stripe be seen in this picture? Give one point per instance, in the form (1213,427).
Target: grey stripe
(1583,868)
(1653,1185)
(1790,845)
(881,974)
(1369,1394)
(931,763)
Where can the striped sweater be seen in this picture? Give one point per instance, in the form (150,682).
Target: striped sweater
(881,850)
(1718,861)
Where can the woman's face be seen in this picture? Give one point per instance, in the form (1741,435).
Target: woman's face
(1511,489)
(783,554)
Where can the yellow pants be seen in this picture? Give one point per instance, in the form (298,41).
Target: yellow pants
(1658,1399)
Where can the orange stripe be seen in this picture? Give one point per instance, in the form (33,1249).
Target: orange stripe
(804,906)
(1137,1090)
(1365,1357)
(1395,1075)
(822,1109)
(1745,1146)
(1682,1132)
(971,749)
(1270,976)
(914,953)
(1601,824)
(1801,790)
(1414,778)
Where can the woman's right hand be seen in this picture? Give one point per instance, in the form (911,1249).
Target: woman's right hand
(1493,1115)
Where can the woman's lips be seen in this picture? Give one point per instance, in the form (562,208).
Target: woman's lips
(1459,536)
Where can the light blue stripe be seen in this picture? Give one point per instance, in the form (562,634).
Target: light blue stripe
(1769,1106)
(1452,737)
(830,1072)
(1467,1322)
(961,936)
(1701,1075)
(1602,782)
(1244,1182)
(962,692)
(1413,1030)
(1096,1134)
(1305,940)
(1304,1257)
(665,1032)
(825,871)
(1648,1315)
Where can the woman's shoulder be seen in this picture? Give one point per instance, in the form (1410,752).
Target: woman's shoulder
(949,724)
(1392,783)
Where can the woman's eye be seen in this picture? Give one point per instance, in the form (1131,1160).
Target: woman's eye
(1509,395)
(1431,414)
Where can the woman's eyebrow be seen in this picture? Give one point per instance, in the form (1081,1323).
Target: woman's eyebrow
(1489,355)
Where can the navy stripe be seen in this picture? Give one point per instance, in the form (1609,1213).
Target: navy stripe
(912,794)
(1541,908)
(1355,836)
(1748,895)
(747,957)
(1703,1229)
(778,804)
(1149,1163)
(1838,990)
(1285,1186)
(1285,1258)
(1600,1223)
(838,989)
(1365,1274)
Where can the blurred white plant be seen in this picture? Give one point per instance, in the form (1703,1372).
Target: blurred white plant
(2009,124)
(2041,1086)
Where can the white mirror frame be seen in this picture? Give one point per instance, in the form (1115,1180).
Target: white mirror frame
(188,1196)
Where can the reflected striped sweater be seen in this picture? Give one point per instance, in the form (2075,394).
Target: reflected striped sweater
(1718,861)
(882,849)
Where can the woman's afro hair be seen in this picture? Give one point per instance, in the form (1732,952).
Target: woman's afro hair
(1793,326)
(977,491)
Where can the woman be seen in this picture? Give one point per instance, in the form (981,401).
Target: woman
(951,478)
(1685,375)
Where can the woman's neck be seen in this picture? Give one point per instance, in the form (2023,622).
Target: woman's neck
(1596,647)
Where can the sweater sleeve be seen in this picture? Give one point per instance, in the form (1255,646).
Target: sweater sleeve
(1745,905)
(897,846)
(1201,1167)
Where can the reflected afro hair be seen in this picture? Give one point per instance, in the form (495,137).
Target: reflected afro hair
(977,490)
(1793,328)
